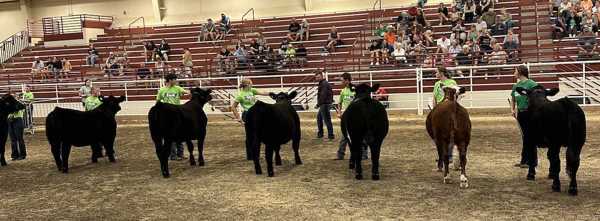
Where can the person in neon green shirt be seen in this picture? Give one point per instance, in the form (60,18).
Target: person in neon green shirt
(518,106)
(246,98)
(171,94)
(28,99)
(346,98)
(444,79)
(93,101)
(15,131)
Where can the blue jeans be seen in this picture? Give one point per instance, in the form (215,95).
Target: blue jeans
(324,115)
(15,130)
(342,149)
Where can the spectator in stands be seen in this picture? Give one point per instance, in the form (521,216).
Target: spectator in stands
(241,56)
(293,29)
(560,28)
(92,56)
(260,39)
(381,30)
(211,30)
(254,48)
(160,67)
(506,18)
(511,45)
(149,51)
(225,24)
(85,90)
(485,41)
(37,68)
(421,3)
(283,46)
(403,21)
(111,65)
(587,46)
(459,32)
(463,58)
(333,40)
(57,67)
(399,53)
(67,67)
(418,55)
(498,56)
(290,54)
(164,49)
(458,6)
(469,12)
(224,60)
(403,39)
(499,27)
(421,18)
(203,36)
(390,39)
(490,18)
(443,13)
(443,43)
(473,34)
(187,61)
(143,73)
(454,49)
(484,6)
(375,49)
(481,25)
(428,40)
(304,30)
(586,5)
(122,62)
(301,54)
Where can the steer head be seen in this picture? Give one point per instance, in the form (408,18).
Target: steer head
(451,93)
(537,95)
(9,104)
(364,90)
(111,104)
(283,97)
(201,95)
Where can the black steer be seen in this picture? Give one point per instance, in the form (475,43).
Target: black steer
(365,119)
(67,127)
(179,123)
(554,124)
(8,104)
(273,125)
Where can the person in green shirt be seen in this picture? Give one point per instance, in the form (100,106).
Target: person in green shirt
(518,107)
(171,94)
(445,79)
(15,131)
(28,99)
(246,98)
(346,98)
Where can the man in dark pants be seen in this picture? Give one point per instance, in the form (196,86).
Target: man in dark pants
(324,102)
(519,105)
(15,131)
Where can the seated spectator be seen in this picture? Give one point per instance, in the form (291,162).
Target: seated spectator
(499,27)
(587,46)
(463,58)
(511,45)
(211,29)
(390,39)
(443,13)
(92,56)
(490,18)
(473,34)
(241,56)
(375,49)
(67,67)
(225,24)
(38,68)
(469,12)
(187,61)
(417,55)
(454,49)
(293,29)
(399,53)
(481,25)
(586,5)
(381,30)
(420,18)
(428,38)
(149,50)
(333,40)
(421,3)
(283,46)
(301,54)
(403,21)
(459,32)
(304,30)
(443,43)
(57,67)
(203,36)
(122,61)
(485,41)
(254,47)
(459,6)
(560,28)
(260,39)
(290,54)
(498,56)
(224,60)
(111,65)
(506,18)
(165,50)
(143,72)
(403,39)
(484,6)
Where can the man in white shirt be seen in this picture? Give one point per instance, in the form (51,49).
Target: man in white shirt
(443,43)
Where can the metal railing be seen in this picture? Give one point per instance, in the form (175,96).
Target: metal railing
(408,89)
(13,45)
(70,24)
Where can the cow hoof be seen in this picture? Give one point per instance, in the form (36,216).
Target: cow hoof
(278,163)
(192,163)
(447,180)
(556,188)
(258,172)
(530,177)
(271,174)
(375,176)
(166,175)
(201,163)
(298,162)
(464,182)
(551,177)
(112,159)
(65,171)
(94,160)
(359,176)
(573,191)
(3,164)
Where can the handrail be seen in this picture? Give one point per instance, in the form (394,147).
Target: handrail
(136,20)
(14,45)
(375,4)
(537,32)
(249,10)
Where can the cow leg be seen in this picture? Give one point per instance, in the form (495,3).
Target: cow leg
(573,159)
(65,151)
(375,152)
(2,149)
(446,160)
(269,158)
(201,149)
(296,148)
(440,161)
(55,148)
(462,150)
(256,156)
(110,150)
(190,147)
(277,156)
(165,152)
(554,174)
(249,143)
(356,149)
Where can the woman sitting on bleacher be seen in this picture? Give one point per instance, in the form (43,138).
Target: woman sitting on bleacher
(37,68)
(165,50)
(211,30)
(498,56)
(469,12)
(224,25)
(67,67)
(111,65)
(333,40)
(304,30)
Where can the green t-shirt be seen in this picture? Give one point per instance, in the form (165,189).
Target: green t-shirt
(346,97)
(438,93)
(91,103)
(522,102)
(28,96)
(246,98)
(380,32)
(170,95)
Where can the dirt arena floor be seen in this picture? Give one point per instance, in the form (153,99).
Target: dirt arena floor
(321,189)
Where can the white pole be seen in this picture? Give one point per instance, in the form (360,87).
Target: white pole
(126,94)
(471,87)
(584,84)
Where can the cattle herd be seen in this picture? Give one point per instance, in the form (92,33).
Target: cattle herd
(555,124)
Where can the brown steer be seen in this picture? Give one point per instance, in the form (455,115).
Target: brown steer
(448,124)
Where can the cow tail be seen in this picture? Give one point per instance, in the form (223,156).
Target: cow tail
(453,123)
